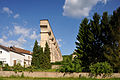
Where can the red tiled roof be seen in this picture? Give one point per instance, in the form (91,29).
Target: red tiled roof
(19,50)
(15,49)
(3,47)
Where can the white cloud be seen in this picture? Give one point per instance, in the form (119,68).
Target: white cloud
(10,33)
(104,1)
(14,43)
(33,36)
(16,16)
(4,37)
(58,41)
(24,32)
(20,35)
(21,30)
(10,43)
(18,43)
(1,40)
(7,10)
(21,39)
(79,8)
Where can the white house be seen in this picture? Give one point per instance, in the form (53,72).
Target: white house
(13,55)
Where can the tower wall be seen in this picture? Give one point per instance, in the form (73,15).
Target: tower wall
(48,36)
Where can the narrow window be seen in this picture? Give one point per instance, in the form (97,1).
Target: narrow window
(0,52)
(14,62)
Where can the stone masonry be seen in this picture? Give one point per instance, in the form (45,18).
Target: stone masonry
(48,36)
(53,74)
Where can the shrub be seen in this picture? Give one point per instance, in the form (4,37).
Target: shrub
(57,63)
(31,68)
(1,62)
(71,66)
(7,68)
(67,67)
(18,68)
(101,68)
(77,65)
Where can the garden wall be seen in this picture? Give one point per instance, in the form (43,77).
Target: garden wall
(50,74)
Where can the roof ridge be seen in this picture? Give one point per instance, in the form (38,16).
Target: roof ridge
(15,49)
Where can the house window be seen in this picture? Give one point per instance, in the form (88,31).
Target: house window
(0,52)
(24,63)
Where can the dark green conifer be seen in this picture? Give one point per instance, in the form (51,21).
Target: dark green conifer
(113,49)
(47,54)
(82,45)
(35,54)
(45,58)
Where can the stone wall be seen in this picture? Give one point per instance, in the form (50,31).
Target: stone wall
(50,74)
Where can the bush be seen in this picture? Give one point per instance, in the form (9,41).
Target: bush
(18,68)
(31,68)
(71,66)
(1,62)
(77,65)
(101,68)
(67,68)
(57,63)
(7,68)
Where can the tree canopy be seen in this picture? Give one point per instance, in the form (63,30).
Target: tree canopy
(98,40)
(41,59)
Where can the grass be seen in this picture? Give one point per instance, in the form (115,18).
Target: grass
(28,78)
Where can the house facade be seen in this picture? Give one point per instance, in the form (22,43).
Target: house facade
(13,55)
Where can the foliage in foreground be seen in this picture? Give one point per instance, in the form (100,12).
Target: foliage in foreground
(98,40)
(7,68)
(37,50)
(65,58)
(46,61)
(71,66)
(40,59)
(18,68)
(101,68)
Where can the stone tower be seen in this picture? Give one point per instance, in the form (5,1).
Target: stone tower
(48,36)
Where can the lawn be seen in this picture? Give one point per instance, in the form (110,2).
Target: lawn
(25,78)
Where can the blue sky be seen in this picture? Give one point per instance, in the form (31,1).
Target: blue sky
(20,20)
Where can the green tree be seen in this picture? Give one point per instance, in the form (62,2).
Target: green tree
(44,58)
(90,41)
(47,51)
(82,46)
(37,50)
(47,55)
(97,44)
(34,55)
(112,50)
(40,52)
